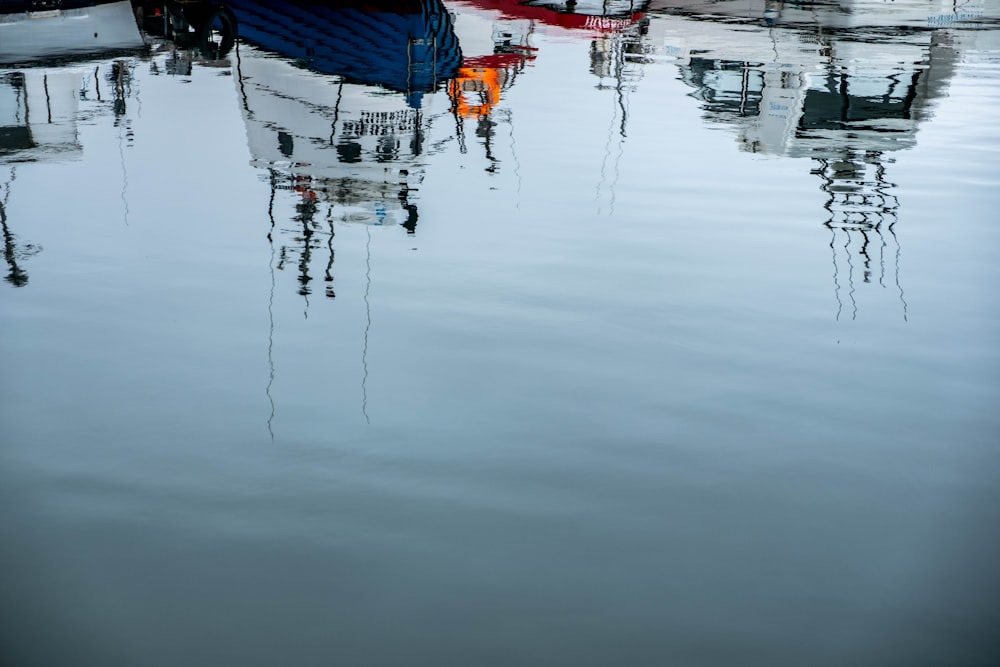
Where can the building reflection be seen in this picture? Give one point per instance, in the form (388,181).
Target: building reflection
(793,81)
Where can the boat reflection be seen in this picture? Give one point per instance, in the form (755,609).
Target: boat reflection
(333,101)
(793,82)
(341,105)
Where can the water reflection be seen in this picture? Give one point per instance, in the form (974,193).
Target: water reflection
(632,422)
(342,104)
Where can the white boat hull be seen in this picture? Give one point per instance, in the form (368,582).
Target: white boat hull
(29,36)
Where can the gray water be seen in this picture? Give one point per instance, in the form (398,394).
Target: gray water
(681,350)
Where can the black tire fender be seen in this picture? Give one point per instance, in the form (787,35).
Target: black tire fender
(217,19)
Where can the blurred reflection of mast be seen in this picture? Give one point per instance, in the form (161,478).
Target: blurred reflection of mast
(613,56)
(509,117)
(17,276)
(328,273)
(368,324)
(121,77)
(305,210)
(860,204)
(474,94)
(270,309)
(476,91)
(307,205)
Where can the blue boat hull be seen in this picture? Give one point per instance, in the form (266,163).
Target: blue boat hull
(409,47)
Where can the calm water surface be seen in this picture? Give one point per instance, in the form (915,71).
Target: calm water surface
(664,337)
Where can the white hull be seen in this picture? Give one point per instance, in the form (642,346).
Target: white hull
(348,144)
(39,115)
(759,79)
(842,14)
(57,33)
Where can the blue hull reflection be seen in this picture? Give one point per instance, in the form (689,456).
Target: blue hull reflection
(407,47)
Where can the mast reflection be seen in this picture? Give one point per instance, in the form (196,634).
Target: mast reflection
(13,252)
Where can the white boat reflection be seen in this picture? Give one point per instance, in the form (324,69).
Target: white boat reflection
(793,81)
(339,125)
(333,98)
(38,114)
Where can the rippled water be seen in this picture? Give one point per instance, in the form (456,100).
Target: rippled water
(666,337)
